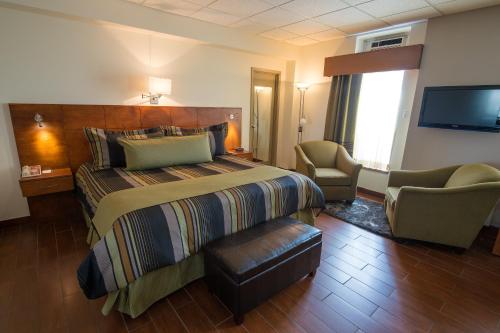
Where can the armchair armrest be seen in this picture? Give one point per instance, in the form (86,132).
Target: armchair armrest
(304,165)
(450,216)
(425,178)
(347,164)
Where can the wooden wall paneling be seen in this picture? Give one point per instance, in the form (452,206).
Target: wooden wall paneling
(397,58)
(122,117)
(234,130)
(39,145)
(76,117)
(78,148)
(211,116)
(184,116)
(153,116)
(61,142)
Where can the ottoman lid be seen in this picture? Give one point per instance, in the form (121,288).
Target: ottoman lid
(249,252)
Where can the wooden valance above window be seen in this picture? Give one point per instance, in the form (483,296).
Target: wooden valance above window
(391,59)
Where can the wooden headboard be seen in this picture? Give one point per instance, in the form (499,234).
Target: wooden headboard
(61,142)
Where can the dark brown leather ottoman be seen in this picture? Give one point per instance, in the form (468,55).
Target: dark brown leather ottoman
(248,267)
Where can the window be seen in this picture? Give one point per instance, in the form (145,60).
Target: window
(376,118)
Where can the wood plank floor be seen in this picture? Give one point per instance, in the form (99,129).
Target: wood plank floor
(365,283)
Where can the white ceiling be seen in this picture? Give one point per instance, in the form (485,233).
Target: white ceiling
(304,22)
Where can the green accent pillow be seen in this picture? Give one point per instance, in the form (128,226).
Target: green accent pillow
(216,135)
(470,174)
(166,151)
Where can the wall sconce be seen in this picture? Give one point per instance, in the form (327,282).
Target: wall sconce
(302,88)
(38,119)
(158,87)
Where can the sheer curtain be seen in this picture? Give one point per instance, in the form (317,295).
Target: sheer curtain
(376,118)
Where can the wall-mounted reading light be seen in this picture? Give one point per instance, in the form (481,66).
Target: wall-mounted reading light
(158,87)
(38,119)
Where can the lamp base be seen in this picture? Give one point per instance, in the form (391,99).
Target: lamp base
(153,99)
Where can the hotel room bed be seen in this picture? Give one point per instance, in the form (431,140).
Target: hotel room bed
(147,228)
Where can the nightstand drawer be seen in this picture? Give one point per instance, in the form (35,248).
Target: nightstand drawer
(36,187)
(247,155)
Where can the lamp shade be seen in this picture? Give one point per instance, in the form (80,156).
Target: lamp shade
(158,85)
(259,89)
(302,86)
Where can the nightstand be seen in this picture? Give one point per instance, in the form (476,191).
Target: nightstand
(247,155)
(50,195)
(59,180)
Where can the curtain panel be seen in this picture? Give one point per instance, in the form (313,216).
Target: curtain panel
(341,112)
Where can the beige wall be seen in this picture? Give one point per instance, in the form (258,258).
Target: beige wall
(55,59)
(310,69)
(462,49)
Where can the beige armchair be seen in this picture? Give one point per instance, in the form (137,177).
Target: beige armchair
(447,206)
(331,167)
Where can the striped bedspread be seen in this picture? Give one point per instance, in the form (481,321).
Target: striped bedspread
(92,186)
(150,238)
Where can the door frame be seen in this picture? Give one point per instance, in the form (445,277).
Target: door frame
(273,140)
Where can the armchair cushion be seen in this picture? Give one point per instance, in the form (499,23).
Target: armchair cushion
(470,174)
(321,153)
(391,195)
(332,177)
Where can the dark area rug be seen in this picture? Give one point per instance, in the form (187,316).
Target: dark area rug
(366,214)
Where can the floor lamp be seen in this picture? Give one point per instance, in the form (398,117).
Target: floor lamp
(255,125)
(302,87)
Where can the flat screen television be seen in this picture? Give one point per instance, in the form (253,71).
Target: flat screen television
(475,108)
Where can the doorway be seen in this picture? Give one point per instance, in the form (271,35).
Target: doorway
(264,114)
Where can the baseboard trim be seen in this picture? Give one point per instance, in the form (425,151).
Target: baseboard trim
(370,192)
(14,221)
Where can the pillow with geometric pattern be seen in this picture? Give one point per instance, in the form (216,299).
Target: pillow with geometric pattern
(216,135)
(105,149)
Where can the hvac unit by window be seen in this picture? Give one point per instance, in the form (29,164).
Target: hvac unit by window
(384,42)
